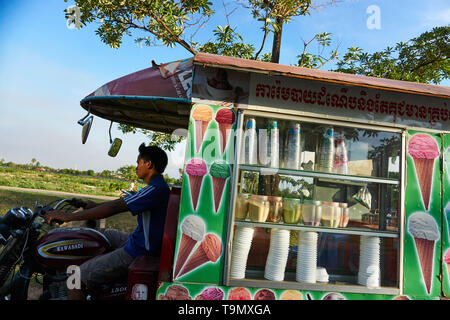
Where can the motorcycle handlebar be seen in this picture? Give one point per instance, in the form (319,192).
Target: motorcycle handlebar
(78,203)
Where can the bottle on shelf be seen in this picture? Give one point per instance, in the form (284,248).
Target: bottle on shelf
(292,150)
(326,151)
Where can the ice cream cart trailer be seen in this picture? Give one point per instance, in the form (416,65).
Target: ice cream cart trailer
(297,183)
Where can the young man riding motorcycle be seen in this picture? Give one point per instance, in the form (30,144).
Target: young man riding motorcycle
(150,206)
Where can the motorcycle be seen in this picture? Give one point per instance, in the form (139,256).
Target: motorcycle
(28,248)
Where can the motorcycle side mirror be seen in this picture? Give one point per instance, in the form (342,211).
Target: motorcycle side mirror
(115,147)
(86,122)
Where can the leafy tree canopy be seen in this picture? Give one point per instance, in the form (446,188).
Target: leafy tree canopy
(425,58)
(163,22)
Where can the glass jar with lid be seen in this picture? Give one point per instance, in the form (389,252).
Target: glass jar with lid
(311,213)
(258,208)
(331,214)
(344,215)
(241,206)
(275,208)
(292,210)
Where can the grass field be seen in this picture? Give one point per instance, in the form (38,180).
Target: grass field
(32,179)
(9,199)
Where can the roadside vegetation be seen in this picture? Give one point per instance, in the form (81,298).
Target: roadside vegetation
(32,179)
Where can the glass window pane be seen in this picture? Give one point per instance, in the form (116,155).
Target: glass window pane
(321,177)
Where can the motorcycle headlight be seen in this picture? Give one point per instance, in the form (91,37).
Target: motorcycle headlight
(17,217)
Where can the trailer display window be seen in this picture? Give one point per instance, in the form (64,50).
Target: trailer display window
(315,204)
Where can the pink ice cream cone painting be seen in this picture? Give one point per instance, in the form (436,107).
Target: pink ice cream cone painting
(196,170)
(211,293)
(202,115)
(209,250)
(447,261)
(424,150)
(425,231)
(225,118)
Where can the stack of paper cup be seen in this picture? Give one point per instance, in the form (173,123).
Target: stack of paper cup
(242,241)
(369,262)
(322,275)
(278,255)
(307,257)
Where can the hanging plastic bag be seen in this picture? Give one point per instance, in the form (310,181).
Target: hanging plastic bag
(364,197)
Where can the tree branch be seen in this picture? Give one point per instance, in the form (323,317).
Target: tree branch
(175,37)
(266,32)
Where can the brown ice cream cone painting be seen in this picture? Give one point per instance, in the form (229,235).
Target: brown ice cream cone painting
(225,118)
(225,131)
(424,150)
(218,185)
(425,251)
(196,170)
(424,170)
(219,171)
(185,248)
(424,229)
(209,250)
(196,183)
(193,231)
(202,115)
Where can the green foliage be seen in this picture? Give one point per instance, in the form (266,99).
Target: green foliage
(316,61)
(106,174)
(115,186)
(127,172)
(163,140)
(425,58)
(228,42)
(165,21)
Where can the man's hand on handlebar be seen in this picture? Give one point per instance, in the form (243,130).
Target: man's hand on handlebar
(88,204)
(57,216)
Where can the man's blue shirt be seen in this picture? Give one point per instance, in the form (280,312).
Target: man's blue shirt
(150,206)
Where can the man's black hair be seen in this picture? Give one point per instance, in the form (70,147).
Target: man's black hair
(156,155)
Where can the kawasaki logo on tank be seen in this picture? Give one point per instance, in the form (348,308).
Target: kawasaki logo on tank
(62,250)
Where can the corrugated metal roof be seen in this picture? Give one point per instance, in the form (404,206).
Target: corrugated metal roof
(328,76)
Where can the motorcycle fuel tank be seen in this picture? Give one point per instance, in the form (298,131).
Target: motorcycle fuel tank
(63,247)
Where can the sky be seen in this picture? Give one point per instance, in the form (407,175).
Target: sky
(46,68)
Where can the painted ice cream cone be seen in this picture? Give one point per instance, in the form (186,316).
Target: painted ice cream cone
(291,295)
(211,293)
(264,294)
(424,229)
(175,292)
(219,171)
(239,293)
(193,230)
(424,149)
(447,261)
(225,118)
(209,249)
(196,170)
(202,115)
(447,162)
